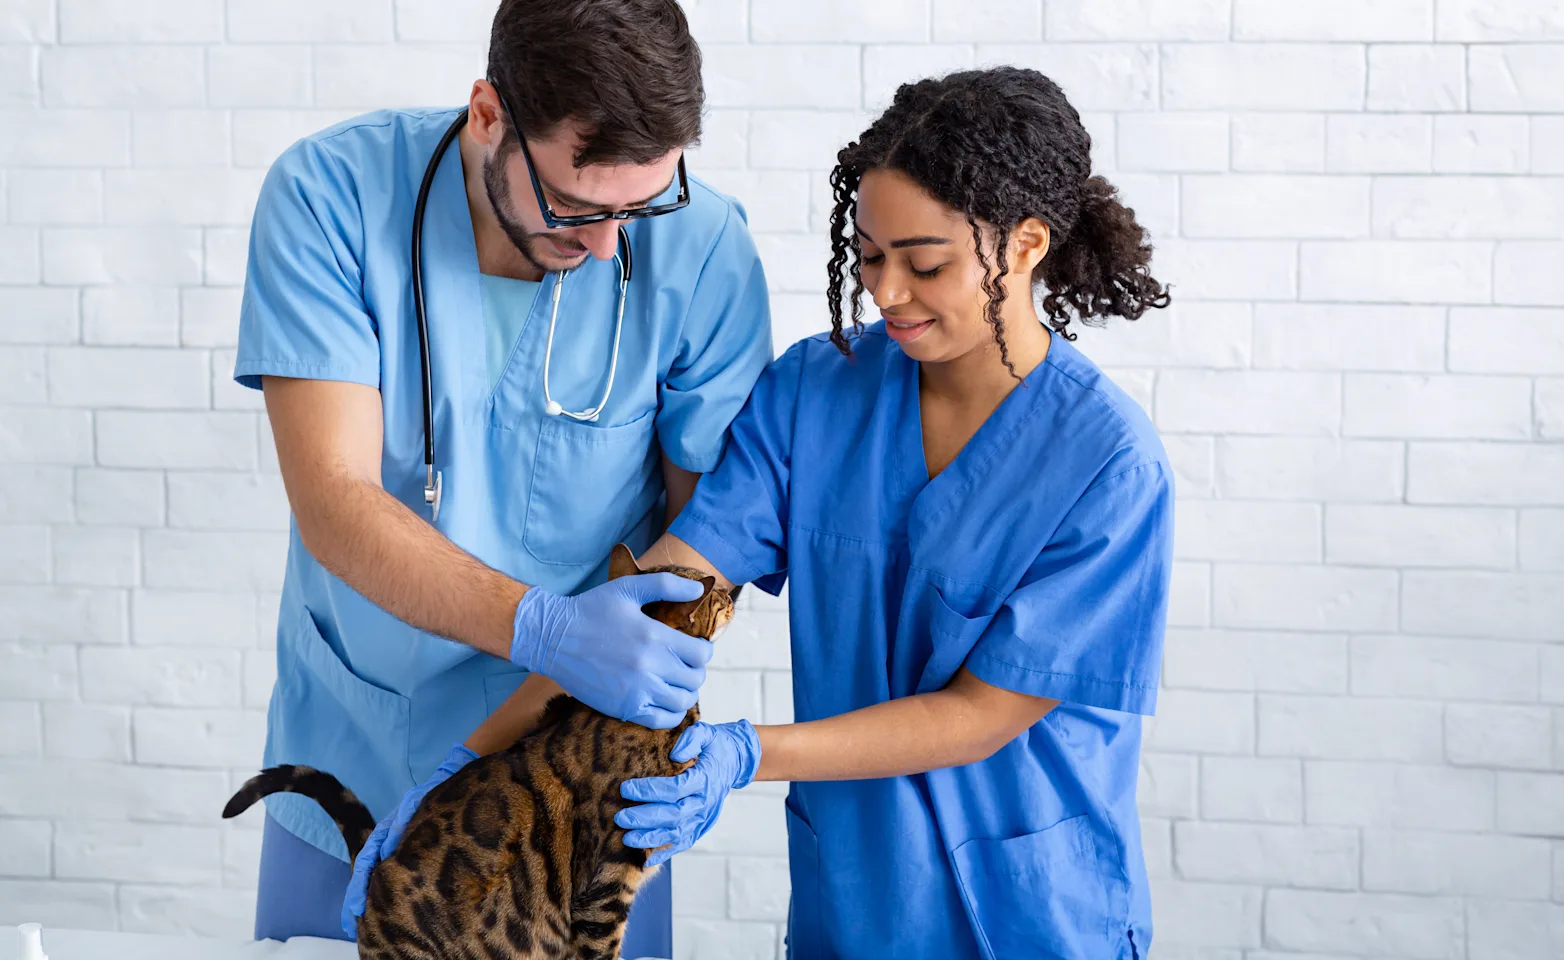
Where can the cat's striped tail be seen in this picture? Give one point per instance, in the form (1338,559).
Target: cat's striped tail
(352,817)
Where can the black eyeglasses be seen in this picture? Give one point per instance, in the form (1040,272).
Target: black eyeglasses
(554,220)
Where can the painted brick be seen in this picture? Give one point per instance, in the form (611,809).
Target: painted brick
(792,75)
(1517,606)
(1229,530)
(1248,402)
(131,497)
(1153,198)
(775,200)
(128,377)
(456,20)
(1531,803)
(964,21)
(260,675)
(1349,337)
(1332,728)
(181,138)
(97,556)
(260,76)
(1378,271)
(121,255)
(209,317)
(219,739)
(1485,473)
(55,196)
(187,911)
(1455,864)
(169,677)
(24,848)
(64,138)
(757,888)
(261,135)
(1523,273)
(370,75)
(1464,143)
(1379,143)
(58,903)
(1547,144)
(802,140)
(1502,931)
(225,255)
(24,554)
(1548,403)
(63,615)
(724,938)
(1167,785)
(19,250)
(1193,462)
(700,886)
(1262,789)
(158,21)
(1270,854)
(886,67)
(1256,661)
(1412,77)
(28,21)
(1507,340)
(195,197)
(1409,536)
(794,264)
(1425,928)
(1542,540)
(1094,76)
(36,495)
(136,851)
(1443,668)
(1274,206)
(1175,142)
(38,315)
(1287,596)
(1370,794)
(1481,735)
(1287,468)
(300,21)
(45,435)
(1279,142)
(122,75)
(183,440)
(23,375)
(1273,76)
(1521,77)
(21,731)
(121,316)
(205,560)
(1230,270)
(227,501)
(242,851)
(1156,837)
(190,618)
(84,731)
(814,21)
(1137,20)
(1498,20)
(76,790)
(1465,207)
(1202,722)
(1334,20)
(1189,600)
(1207,914)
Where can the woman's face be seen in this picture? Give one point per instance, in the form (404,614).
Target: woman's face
(920,264)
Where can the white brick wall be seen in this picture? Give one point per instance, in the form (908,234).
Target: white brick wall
(1360,744)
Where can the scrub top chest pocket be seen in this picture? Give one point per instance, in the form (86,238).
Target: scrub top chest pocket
(590,483)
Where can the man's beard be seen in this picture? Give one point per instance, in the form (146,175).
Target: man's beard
(498,188)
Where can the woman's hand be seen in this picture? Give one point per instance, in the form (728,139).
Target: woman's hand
(677,811)
(388,833)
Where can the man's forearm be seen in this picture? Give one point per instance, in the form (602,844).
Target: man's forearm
(380,548)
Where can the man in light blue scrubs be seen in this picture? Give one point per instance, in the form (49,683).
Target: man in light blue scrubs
(559,429)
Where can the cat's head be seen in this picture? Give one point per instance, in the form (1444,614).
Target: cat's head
(701,617)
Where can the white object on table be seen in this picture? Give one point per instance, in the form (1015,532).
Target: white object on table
(63,944)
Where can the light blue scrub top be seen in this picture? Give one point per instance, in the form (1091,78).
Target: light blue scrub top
(328,297)
(506,304)
(1040,560)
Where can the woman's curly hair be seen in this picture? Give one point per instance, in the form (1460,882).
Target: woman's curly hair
(1001,145)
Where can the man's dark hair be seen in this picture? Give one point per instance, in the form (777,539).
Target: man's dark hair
(627,70)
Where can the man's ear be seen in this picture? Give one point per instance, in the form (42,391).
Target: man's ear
(621,563)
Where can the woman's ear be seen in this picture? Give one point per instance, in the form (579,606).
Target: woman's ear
(1029,241)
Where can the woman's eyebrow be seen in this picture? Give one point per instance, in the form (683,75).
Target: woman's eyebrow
(924,241)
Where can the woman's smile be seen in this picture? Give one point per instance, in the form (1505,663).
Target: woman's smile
(904,330)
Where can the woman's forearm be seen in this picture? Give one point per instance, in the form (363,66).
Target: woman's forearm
(965,722)
(516,717)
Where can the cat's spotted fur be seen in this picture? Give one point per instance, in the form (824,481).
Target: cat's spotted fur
(516,856)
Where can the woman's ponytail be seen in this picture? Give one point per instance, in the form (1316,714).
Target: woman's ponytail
(1102,266)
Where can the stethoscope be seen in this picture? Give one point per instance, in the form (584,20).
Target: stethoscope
(433,479)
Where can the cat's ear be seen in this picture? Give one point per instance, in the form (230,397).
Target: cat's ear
(710,584)
(621,563)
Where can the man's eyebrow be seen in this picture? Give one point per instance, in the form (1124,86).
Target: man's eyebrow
(924,241)
(570,200)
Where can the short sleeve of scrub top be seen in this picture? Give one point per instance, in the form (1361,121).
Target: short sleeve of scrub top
(748,496)
(720,354)
(303,311)
(1099,577)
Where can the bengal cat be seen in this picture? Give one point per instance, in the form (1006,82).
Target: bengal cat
(517,854)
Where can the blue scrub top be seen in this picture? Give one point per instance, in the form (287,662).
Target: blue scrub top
(328,297)
(1039,559)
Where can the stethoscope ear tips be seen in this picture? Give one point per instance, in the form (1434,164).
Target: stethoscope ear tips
(553,408)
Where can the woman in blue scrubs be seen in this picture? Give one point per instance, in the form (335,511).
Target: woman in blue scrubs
(977,528)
